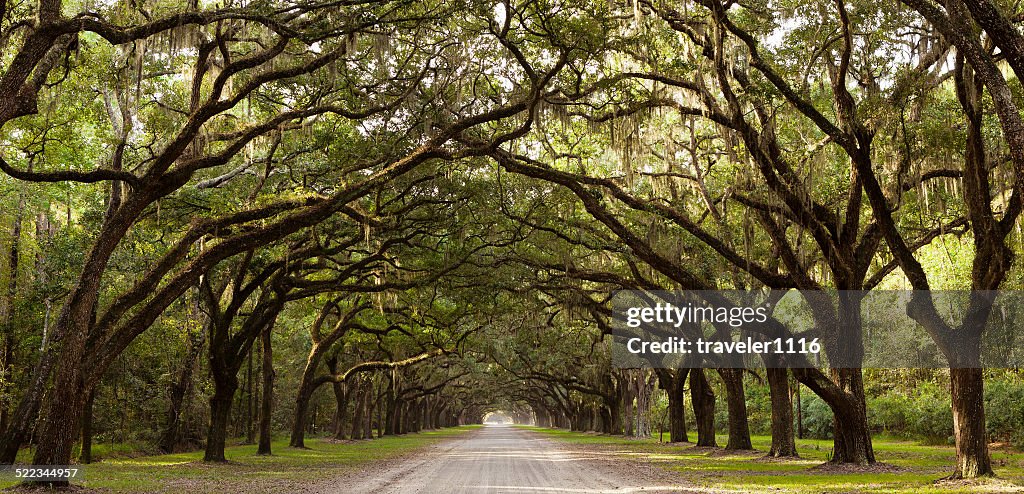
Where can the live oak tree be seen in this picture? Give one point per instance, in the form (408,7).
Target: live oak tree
(235,92)
(848,243)
(975,74)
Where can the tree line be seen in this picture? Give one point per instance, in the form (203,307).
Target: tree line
(438,196)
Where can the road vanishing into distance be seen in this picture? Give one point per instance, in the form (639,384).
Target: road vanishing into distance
(504,459)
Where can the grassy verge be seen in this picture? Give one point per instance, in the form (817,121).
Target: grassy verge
(913,468)
(287,469)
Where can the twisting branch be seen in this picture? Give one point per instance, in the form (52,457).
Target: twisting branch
(379,365)
(100,175)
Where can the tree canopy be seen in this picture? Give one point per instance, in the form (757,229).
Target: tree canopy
(214,213)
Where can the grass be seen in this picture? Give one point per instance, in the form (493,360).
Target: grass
(185,472)
(917,467)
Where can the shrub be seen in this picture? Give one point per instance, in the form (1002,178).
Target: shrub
(922,413)
(933,416)
(1004,408)
(889,414)
(817,417)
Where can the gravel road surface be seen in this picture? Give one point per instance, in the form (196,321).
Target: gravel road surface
(503,459)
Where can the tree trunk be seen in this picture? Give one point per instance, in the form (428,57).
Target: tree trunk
(63,411)
(370,408)
(614,410)
(409,412)
(250,401)
(423,419)
(799,412)
(541,417)
(220,412)
(179,389)
(703,399)
(606,419)
(307,387)
(643,382)
(267,396)
(85,456)
(305,393)
(435,416)
(627,407)
(783,444)
(360,407)
(739,429)
(341,393)
(852,442)
(968,400)
(677,406)
(404,426)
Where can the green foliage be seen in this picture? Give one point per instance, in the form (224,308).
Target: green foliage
(921,413)
(1004,408)
(759,406)
(817,417)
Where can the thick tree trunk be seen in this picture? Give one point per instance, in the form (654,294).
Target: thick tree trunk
(220,413)
(739,428)
(968,400)
(615,411)
(541,419)
(362,394)
(643,382)
(392,416)
(267,396)
(435,417)
(677,406)
(307,387)
(852,441)
(298,437)
(627,407)
(783,443)
(61,413)
(63,410)
(703,399)
(606,419)
(404,424)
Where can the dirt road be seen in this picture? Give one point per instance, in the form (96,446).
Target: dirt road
(503,459)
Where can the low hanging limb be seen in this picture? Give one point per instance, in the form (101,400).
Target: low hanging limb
(377,365)
(99,175)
